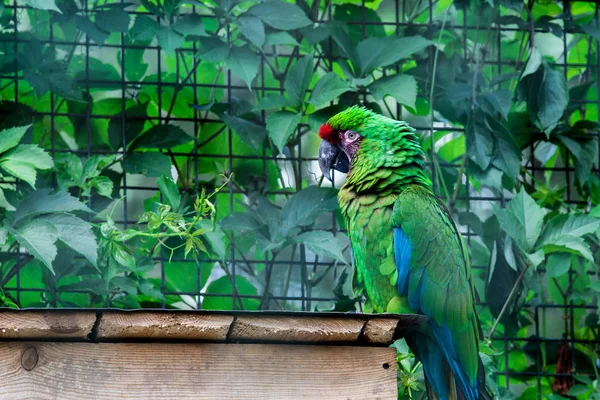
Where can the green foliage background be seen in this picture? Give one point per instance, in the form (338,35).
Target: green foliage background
(162,154)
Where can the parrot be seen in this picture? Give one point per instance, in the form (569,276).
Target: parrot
(408,254)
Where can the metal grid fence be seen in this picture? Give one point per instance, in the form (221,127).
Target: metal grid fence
(180,74)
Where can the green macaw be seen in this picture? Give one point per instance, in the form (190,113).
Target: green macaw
(409,256)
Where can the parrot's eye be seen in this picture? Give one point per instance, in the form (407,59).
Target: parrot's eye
(351,136)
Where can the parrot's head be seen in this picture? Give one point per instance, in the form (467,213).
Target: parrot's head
(358,136)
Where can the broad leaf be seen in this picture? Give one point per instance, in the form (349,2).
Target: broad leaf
(122,131)
(75,233)
(281,125)
(250,133)
(49,5)
(223,287)
(169,190)
(275,38)
(570,244)
(91,29)
(149,164)
(304,207)
(569,224)
(480,142)
(169,40)
(328,88)
(322,243)
(164,136)
(403,88)
(558,264)
(212,49)
(280,15)
(42,202)
(190,24)
(113,20)
(297,81)
(552,99)
(23,161)
(244,63)
(378,52)
(507,155)
(144,28)
(273,101)
(252,28)
(11,137)
(533,63)
(241,222)
(38,237)
(521,220)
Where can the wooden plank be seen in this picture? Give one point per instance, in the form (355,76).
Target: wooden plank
(148,325)
(42,324)
(295,329)
(134,371)
(380,330)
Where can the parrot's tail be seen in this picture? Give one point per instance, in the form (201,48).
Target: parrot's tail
(441,381)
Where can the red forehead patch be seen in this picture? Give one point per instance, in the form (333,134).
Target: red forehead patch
(326,132)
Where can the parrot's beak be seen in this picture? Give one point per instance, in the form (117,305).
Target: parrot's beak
(332,156)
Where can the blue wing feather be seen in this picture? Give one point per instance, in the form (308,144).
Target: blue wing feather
(430,351)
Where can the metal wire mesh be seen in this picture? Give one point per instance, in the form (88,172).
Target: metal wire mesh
(299,268)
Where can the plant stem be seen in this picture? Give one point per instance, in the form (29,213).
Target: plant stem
(508,299)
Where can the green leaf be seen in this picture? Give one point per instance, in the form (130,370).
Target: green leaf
(75,233)
(584,152)
(91,29)
(378,52)
(480,141)
(507,155)
(273,101)
(42,202)
(134,124)
(281,125)
(212,50)
(190,24)
(297,81)
(280,15)
(578,390)
(569,224)
(165,136)
(250,133)
(223,287)
(533,63)
(11,137)
(302,208)
(144,28)
(113,20)
(570,244)
(169,190)
(38,237)
(403,88)
(240,222)
(252,28)
(322,243)
(23,161)
(328,88)
(49,5)
(552,100)
(558,264)
(280,38)
(521,220)
(244,63)
(149,164)
(169,40)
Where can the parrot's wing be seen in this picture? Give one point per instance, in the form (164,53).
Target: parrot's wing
(434,274)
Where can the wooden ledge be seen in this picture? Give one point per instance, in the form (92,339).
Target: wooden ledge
(213,326)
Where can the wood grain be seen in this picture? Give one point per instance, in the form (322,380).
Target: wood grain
(40,324)
(146,325)
(295,329)
(128,371)
(380,330)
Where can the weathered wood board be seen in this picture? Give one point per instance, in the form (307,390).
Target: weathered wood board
(146,371)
